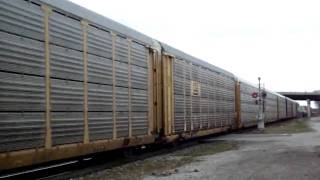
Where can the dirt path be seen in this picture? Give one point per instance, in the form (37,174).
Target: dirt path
(259,156)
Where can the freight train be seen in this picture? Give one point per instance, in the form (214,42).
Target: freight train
(73,83)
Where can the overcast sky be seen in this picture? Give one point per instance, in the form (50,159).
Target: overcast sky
(277,40)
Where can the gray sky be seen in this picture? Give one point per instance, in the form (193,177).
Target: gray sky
(277,40)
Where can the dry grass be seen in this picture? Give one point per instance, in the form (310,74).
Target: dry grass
(289,127)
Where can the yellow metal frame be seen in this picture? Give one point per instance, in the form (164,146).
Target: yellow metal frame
(238,105)
(48,137)
(153,91)
(114,115)
(129,87)
(85,25)
(194,134)
(157,89)
(168,98)
(22,158)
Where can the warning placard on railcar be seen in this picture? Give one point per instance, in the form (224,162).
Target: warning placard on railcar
(195,88)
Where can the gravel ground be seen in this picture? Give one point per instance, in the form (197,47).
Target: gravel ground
(259,156)
(288,150)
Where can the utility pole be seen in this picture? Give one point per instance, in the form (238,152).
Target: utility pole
(308,108)
(260,113)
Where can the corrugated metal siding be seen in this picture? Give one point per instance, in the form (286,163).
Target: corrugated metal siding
(122,124)
(122,99)
(21,130)
(138,84)
(139,123)
(99,42)
(99,70)
(21,55)
(20,92)
(213,107)
(100,116)
(139,55)
(67,127)
(65,31)
(21,76)
(179,121)
(196,120)
(22,18)
(66,63)
(138,77)
(139,100)
(271,108)
(121,53)
(99,97)
(295,106)
(121,74)
(249,109)
(100,125)
(66,95)
(289,109)
(282,107)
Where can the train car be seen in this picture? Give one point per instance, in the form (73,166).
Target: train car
(289,107)
(249,105)
(271,107)
(282,111)
(199,98)
(75,83)
(72,83)
(295,109)
(275,106)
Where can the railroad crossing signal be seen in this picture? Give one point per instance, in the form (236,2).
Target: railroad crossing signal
(254,94)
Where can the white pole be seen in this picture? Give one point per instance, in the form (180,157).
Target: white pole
(309,108)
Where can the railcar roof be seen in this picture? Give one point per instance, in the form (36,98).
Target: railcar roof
(194,60)
(247,82)
(80,12)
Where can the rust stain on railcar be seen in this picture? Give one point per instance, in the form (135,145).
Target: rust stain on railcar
(194,134)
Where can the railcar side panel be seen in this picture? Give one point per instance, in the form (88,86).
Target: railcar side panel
(282,107)
(249,107)
(66,81)
(271,110)
(203,98)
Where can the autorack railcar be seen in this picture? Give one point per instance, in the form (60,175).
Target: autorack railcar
(249,105)
(73,83)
